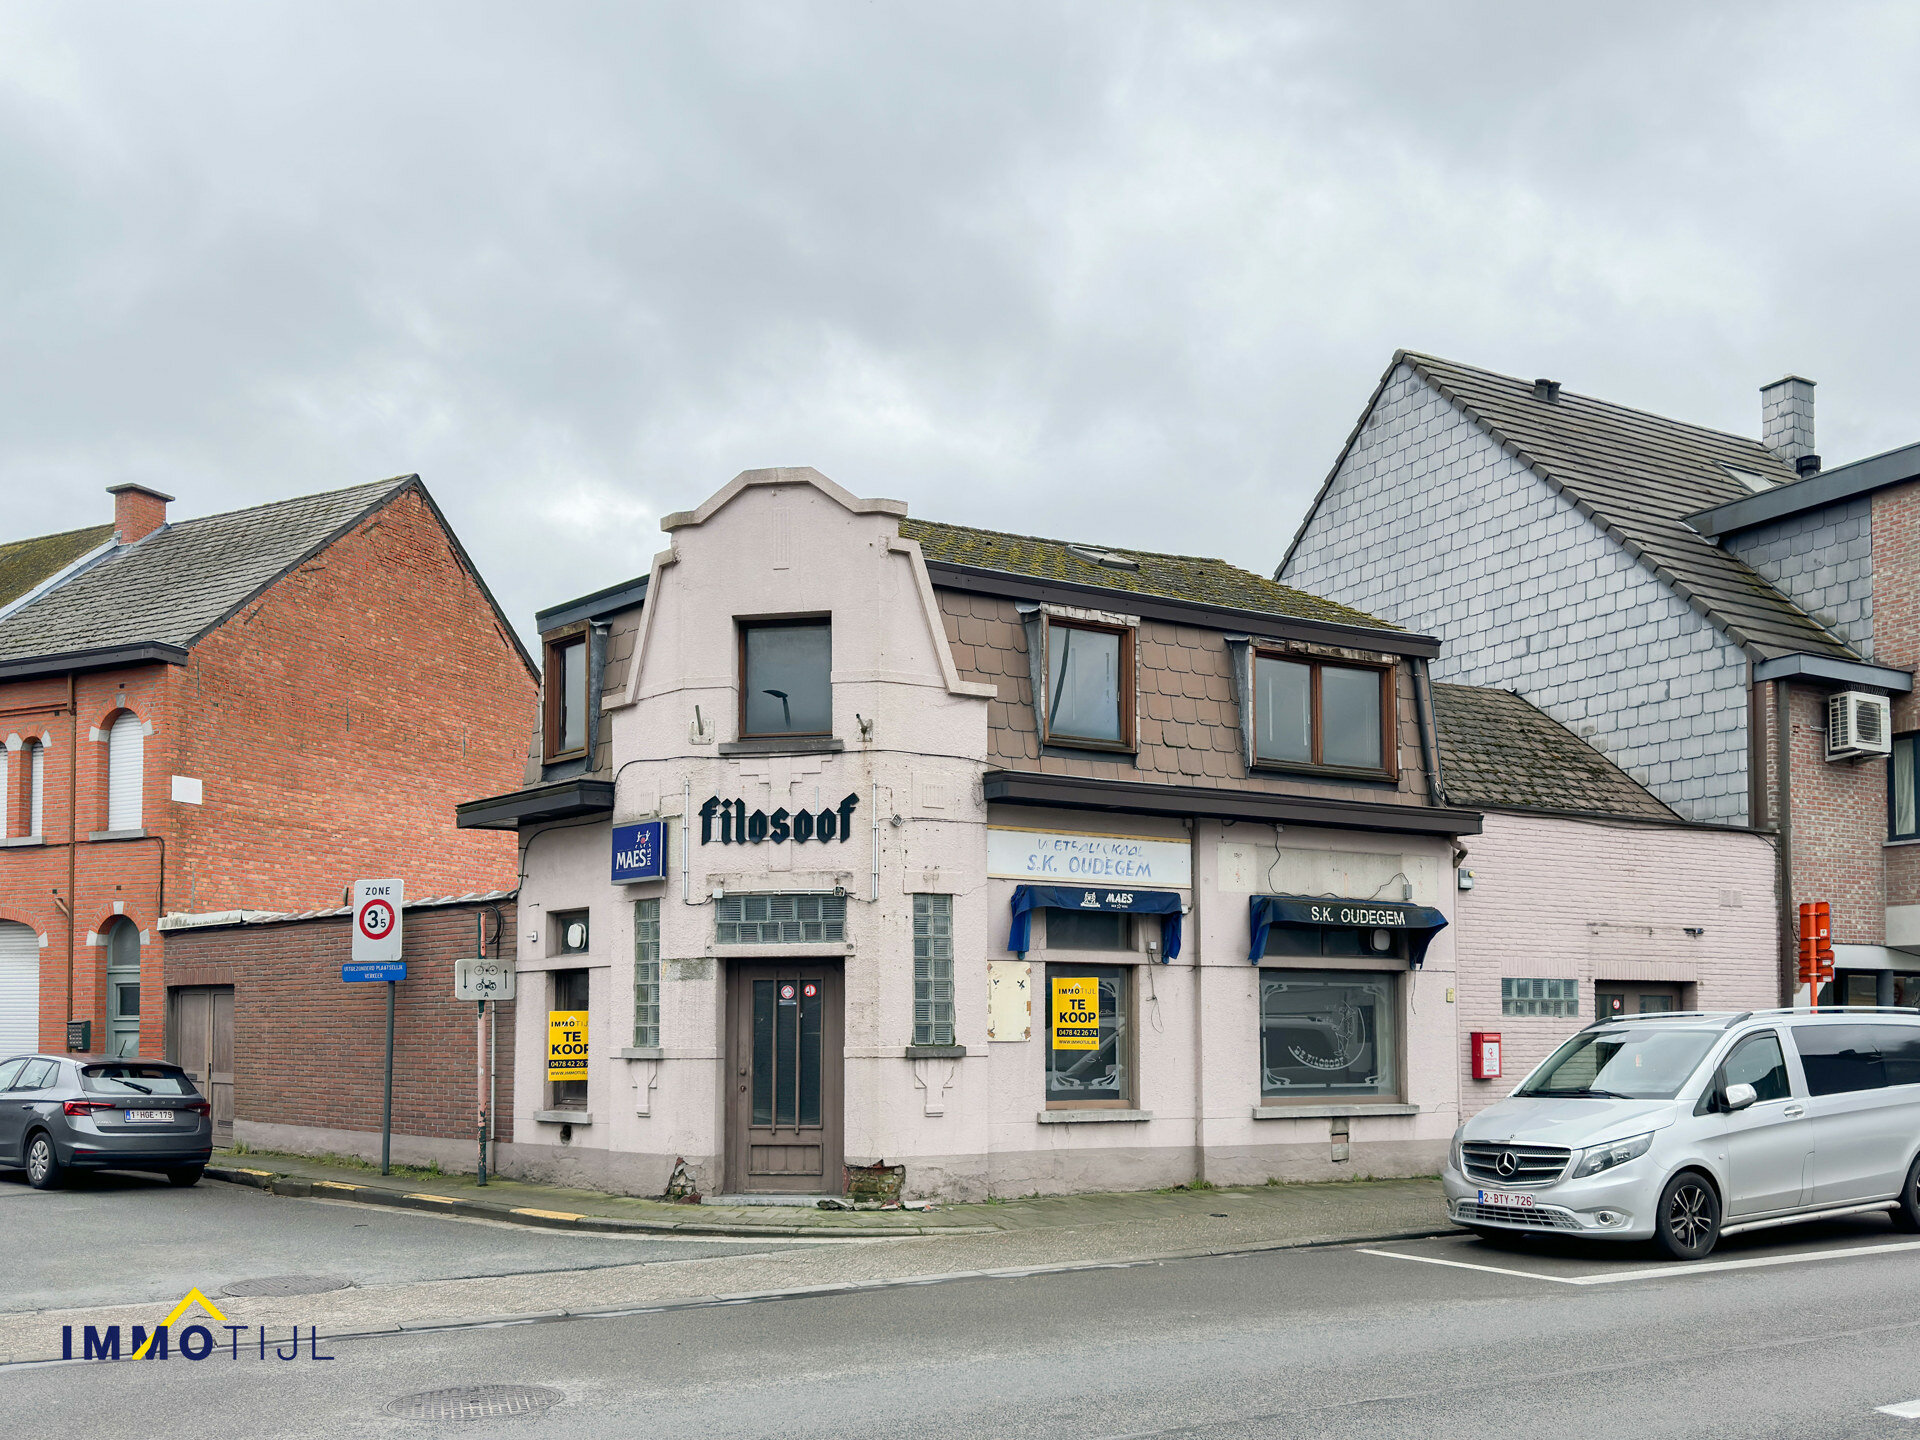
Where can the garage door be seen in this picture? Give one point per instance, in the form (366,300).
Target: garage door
(19,988)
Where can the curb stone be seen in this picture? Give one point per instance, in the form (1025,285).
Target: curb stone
(301,1186)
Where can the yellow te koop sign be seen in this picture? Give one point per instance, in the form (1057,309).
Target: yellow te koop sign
(566,1045)
(1076,1013)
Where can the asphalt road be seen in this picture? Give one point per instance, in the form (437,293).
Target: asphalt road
(112,1238)
(1805,1333)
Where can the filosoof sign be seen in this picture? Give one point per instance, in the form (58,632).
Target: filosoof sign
(378,906)
(566,1045)
(1076,1013)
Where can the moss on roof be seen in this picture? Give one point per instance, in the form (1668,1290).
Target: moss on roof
(1499,751)
(25,563)
(1194,578)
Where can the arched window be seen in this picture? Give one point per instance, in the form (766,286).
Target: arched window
(6,794)
(126,772)
(123,987)
(37,787)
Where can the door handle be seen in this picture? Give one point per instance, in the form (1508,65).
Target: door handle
(1794,1112)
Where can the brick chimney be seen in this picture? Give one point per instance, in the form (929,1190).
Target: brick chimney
(137,512)
(1786,422)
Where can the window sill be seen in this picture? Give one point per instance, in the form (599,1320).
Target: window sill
(1073,750)
(1325,772)
(117,835)
(1902,840)
(1091,1117)
(784,745)
(564,1117)
(640,1052)
(935,1052)
(1326,1112)
(22,840)
(564,757)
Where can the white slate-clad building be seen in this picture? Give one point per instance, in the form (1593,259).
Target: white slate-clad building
(849,837)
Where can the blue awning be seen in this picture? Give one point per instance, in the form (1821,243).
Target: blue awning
(1028,898)
(1420,922)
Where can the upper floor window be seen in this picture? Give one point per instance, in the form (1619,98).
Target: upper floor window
(565,722)
(1089,696)
(126,772)
(36,788)
(1313,712)
(786,686)
(1903,799)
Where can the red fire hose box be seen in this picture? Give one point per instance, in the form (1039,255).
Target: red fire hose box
(1486,1054)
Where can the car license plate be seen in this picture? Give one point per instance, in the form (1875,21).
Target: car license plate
(148,1117)
(1501,1197)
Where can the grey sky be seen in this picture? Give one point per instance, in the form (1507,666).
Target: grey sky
(1123,273)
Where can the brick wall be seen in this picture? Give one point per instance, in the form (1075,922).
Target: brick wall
(309,1049)
(1188,718)
(1598,900)
(1823,561)
(1432,525)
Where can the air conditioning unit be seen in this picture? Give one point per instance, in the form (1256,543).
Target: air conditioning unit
(1858,724)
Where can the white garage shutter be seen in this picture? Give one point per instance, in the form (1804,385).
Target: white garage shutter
(19,989)
(126,773)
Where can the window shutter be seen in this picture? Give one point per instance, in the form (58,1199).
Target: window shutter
(126,773)
(19,989)
(6,795)
(39,782)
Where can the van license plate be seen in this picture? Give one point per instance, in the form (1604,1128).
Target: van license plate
(149,1116)
(1501,1197)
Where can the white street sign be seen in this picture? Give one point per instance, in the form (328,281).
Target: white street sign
(483,980)
(377,905)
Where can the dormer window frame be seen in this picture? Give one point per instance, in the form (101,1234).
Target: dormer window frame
(1389,767)
(562,648)
(1052,623)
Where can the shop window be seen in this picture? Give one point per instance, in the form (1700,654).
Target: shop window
(786,685)
(646,974)
(1088,930)
(571,935)
(1088,1037)
(1328,1033)
(1336,940)
(1903,789)
(1539,997)
(779,919)
(564,693)
(933,970)
(1089,696)
(569,994)
(1311,712)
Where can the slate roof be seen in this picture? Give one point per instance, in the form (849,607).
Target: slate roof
(1498,751)
(183,580)
(1173,577)
(1638,476)
(25,563)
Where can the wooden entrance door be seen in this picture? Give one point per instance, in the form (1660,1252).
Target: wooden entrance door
(784,1069)
(200,1041)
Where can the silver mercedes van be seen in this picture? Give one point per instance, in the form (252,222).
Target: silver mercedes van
(1682,1127)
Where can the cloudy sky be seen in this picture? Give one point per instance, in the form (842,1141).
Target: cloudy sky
(1119,272)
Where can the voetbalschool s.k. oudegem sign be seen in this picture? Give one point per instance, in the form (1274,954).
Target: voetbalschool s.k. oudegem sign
(1060,858)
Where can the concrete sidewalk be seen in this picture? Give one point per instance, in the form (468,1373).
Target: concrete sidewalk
(1257,1215)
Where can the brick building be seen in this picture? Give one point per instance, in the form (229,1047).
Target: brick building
(240,712)
(1678,596)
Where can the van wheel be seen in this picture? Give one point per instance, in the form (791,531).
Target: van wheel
(1689,1217)
(1907,1217)
(43,1162)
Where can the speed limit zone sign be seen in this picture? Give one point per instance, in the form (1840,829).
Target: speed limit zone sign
(377,905)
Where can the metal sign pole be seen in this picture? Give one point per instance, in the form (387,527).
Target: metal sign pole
(386,1113)
(480,1078)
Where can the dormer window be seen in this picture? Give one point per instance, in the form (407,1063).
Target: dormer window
(786,678)
(1310,712)
(565,697)
(1089,699)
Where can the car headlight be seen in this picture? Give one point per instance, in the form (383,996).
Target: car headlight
(1455,1154)
(1605,1157)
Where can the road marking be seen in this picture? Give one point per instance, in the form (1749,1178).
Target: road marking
(1909,1410)
(1463,1265)
(1662,1272)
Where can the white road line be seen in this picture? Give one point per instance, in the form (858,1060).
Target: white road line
(1908,1411)
(1463,1265)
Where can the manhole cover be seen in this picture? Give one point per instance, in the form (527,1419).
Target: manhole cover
(287,1285)
(475,1402)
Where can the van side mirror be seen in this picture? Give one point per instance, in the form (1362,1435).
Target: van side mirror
(1739,1097)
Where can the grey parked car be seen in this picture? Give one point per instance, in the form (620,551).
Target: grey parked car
(98,1112)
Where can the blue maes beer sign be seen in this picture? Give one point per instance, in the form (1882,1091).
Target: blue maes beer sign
(639,852)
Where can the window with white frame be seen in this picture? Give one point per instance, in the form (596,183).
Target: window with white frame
(126,772)
(1539,997)
(646,974)
(933,970)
